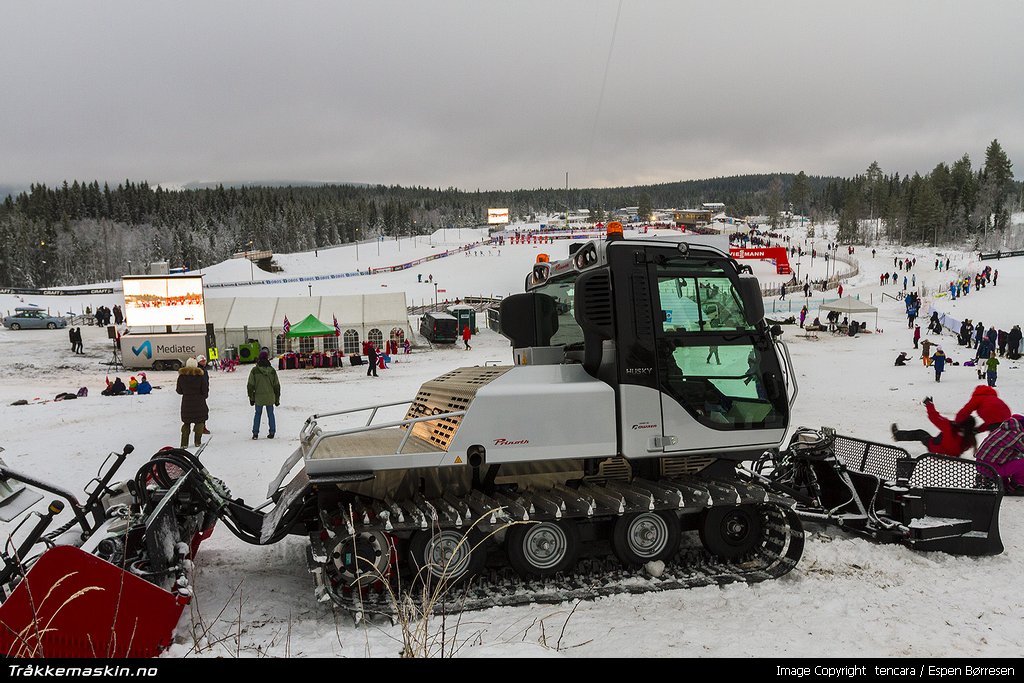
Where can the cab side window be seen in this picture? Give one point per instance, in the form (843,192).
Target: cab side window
(679,311)
(721,308)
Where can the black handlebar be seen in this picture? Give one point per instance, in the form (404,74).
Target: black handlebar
(13,564)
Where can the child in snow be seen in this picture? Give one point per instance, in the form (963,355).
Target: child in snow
(115,388)
(990,375)
(953,439)
(939,363)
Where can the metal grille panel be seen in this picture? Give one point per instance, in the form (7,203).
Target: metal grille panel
(937,471)
(616,468)
(598,299)
(868,457)
(450,392)
(674,467)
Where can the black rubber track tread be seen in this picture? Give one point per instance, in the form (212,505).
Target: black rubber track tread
(600,577)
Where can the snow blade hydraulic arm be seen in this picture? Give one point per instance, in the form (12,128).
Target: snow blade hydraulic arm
(929,502)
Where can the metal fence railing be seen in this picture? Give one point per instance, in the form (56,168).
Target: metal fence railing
(819,285)
(1001,255)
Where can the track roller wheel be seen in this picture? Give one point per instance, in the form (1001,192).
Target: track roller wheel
(363,559)
(542,549)
(446,556)
(731,532)
(645,537)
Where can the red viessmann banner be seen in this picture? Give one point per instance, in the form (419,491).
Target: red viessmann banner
(777,254)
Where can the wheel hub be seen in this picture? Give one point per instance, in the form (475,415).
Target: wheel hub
(362,560)
(448,554)
(736,528)
(545,545)
(648,535)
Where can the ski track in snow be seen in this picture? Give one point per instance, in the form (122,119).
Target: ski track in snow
(847,596)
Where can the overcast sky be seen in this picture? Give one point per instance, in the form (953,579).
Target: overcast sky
(502,95)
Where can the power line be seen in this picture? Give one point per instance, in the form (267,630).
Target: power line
(600,99)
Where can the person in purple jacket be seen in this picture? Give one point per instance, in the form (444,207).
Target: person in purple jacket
(1003,449)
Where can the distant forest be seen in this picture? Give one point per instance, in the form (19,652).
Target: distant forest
(85,232)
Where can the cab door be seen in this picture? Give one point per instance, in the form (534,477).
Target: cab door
(719,378)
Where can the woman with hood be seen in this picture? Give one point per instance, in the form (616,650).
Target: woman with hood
(264,392)
(991,409)
(194,388)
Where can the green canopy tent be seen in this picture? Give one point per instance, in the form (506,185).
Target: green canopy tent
(311,327)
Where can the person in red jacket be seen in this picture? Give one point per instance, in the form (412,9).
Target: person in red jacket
(466,334)
(954,437)
(990,408)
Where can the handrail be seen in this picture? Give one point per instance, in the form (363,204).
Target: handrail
(401,423)
(356,410)
(311,420)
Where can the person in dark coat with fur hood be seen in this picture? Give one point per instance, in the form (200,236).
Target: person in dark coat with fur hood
(194,387)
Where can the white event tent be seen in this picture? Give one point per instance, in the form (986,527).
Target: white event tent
(848,305)
(360,317)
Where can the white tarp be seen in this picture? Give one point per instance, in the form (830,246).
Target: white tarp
(849,305)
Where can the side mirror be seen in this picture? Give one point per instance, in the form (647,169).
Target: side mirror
(753,303)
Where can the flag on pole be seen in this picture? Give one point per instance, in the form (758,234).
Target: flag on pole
(337,327)
(287,325)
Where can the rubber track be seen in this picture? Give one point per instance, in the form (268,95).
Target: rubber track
(594,578)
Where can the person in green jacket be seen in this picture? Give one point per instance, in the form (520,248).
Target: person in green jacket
(264,391)
(992,363)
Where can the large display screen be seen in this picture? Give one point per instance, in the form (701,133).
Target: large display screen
(164,301)
(497,216)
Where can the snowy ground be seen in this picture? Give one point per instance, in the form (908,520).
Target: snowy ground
(847,597)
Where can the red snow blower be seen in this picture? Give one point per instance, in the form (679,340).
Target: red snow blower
(112,580)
